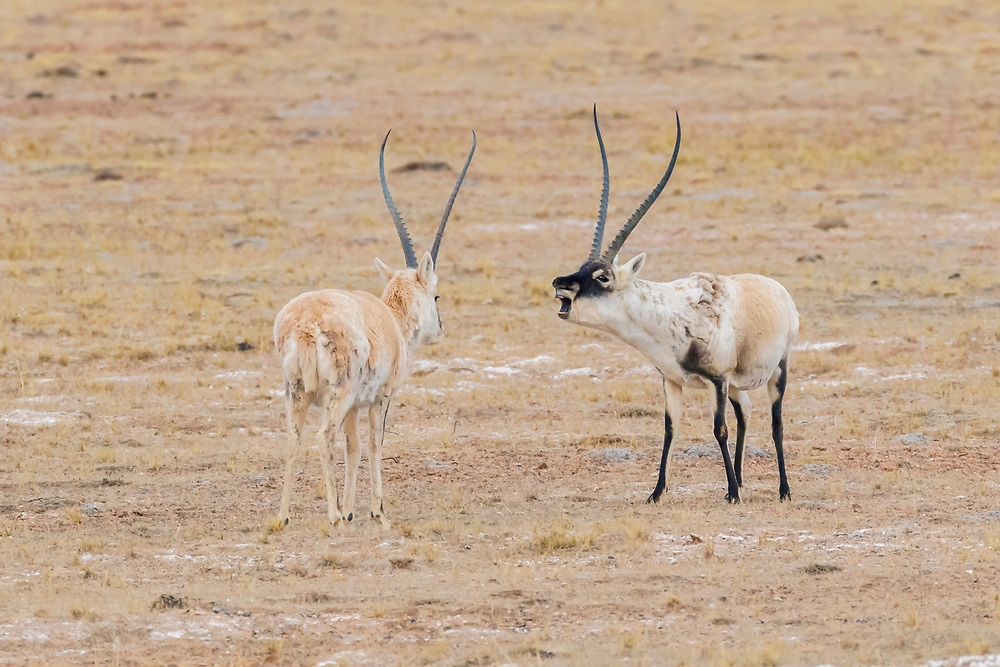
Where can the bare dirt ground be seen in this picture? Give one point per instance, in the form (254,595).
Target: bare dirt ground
(172,172)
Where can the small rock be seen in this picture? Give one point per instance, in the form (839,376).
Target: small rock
(821,568)
(820,468)
(307,135)
(258,242)
(107,175)
(66,72)
(40,505)
(165,602)
(914,439)
(712,451)
(422,165)
(831,222)
(432,463)
(614,455)
(810,258)
(90,509)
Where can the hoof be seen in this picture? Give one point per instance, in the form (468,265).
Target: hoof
(350,517)
(654,497)
(286,520)
(733,498)
(785,495)
(380,518)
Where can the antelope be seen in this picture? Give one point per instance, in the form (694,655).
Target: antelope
(728,334)
(347,352)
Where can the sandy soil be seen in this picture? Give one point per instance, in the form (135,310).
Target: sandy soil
(173,172)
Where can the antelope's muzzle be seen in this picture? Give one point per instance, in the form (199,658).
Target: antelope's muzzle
(565,294)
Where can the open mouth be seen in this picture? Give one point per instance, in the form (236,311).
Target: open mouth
(564,306)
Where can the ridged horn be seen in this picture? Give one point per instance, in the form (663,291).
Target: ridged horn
(451,202)
(602,213)
(404,235)
(619,240)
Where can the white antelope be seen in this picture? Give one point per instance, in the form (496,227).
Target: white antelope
(726,333)
(345,352)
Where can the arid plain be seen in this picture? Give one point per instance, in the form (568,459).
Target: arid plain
(173,172)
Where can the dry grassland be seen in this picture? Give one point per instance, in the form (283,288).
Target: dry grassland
(172,172)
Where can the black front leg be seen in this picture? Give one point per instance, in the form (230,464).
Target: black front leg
(661,481)
(722,436)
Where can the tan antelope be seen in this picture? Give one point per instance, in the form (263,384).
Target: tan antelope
(347,352)
(729,334)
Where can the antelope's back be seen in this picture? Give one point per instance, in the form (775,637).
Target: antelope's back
(340,337)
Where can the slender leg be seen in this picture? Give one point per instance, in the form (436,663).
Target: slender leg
(740,401)
(722,436)
(297,407)
(333,418)
(376,434)
(671,419)
(776,392)
(352,457)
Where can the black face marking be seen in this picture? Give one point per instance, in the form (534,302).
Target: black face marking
(593,279)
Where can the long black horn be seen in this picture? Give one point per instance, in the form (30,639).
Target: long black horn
(602,214)
(451,202)
(404,236)
(619,240)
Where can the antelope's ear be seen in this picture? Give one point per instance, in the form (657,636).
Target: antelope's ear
(630,269)
(384,269)
(425,269)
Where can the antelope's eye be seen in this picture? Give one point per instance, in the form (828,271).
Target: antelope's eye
(436,297)
(602,278)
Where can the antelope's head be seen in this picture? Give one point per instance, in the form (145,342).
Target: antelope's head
(584,296)
(413,292)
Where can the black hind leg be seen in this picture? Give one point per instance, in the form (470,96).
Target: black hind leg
(776,391)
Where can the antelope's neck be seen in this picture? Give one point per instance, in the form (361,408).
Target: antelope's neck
(649,318)
(400,304)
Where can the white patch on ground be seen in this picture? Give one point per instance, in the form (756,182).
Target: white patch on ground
(829,345)
(570,372)
(36,630)
(500,370)
(33,417)
(918,373)
(236,375)
(343,658)
(539,360)
(202,627)
(992,660)
(220,561)
(122,378)
(537,225)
